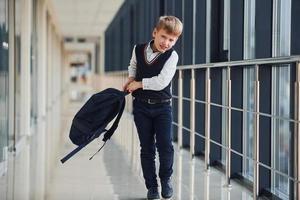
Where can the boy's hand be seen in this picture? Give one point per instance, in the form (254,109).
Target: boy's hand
(134,85)
(129,80)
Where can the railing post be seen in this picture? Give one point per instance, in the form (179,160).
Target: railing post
(207,119)
(297,134)
(256,137)
(180,109)
(192,179)
(206,192)
(179,175)
(192,115)
(228,130)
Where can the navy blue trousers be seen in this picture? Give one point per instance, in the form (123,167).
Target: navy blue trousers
(153,122)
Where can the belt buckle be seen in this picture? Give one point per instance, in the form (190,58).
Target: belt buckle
(150,102)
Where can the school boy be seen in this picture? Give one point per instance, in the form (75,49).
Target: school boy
(151,70)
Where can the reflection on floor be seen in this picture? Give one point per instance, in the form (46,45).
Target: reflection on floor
(110,176)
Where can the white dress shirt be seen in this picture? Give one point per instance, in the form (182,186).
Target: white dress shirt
(165,76)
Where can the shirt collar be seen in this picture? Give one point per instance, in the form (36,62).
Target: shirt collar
(149,49)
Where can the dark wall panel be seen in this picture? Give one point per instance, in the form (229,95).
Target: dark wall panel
(175,105)
(169,7)
(236,29)
(175,84)
(178,13)
(146,17)
(215,40)
(292,125)
(186,106)
(200,76)
(139,30)
(295,29)
(237,118)
(186,83)
(237,87)
(216,85)
(265,77)
(200,109)
(216,114)
(215,134)
(106,49)
(199,128)
(263,28)
(132,27)
(175,118)
(128,39)
(186,123)
(200,45)
(187,34)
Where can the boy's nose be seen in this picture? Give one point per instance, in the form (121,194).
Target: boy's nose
(165,43)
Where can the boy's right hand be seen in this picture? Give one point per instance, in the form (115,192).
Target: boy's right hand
(129,80)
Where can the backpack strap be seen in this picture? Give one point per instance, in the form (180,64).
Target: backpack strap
(112,129)
(72,153)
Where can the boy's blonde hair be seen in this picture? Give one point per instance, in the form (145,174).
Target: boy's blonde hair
(171,24)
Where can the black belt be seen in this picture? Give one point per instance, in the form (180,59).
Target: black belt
(153,101)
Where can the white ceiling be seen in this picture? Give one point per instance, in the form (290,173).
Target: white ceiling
(84,18)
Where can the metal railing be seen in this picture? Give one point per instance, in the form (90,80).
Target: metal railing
(256,160)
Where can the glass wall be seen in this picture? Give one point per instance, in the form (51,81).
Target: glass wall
(248,122)
(18,18)
(3,96)
(236,30)
(33,64)
(248,89)
(281,141)
(281,129)
(226,41)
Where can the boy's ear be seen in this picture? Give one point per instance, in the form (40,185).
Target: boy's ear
(154,32)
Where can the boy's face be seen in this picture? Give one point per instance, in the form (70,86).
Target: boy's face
(163,41)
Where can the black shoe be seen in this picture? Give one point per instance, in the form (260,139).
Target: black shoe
(166,189)
(153,194)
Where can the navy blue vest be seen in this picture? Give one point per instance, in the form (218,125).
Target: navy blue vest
(145,69)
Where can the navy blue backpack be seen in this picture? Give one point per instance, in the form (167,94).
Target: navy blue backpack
(94,116)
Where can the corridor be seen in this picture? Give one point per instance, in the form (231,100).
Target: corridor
(113,175)
(232,76)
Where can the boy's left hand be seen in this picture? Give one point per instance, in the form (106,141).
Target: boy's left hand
(134,85)
(129,80)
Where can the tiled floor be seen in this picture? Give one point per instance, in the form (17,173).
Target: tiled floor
(110,176)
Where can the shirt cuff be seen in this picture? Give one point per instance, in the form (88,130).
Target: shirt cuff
(131,73)
(145,83)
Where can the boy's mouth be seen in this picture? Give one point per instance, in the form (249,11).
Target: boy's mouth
(163,48)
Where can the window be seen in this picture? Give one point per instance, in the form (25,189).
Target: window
(18,18)
(3,82)
(33,63)
(281,132)
(248,121)
(248,88)
(226,42)
(3,97)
